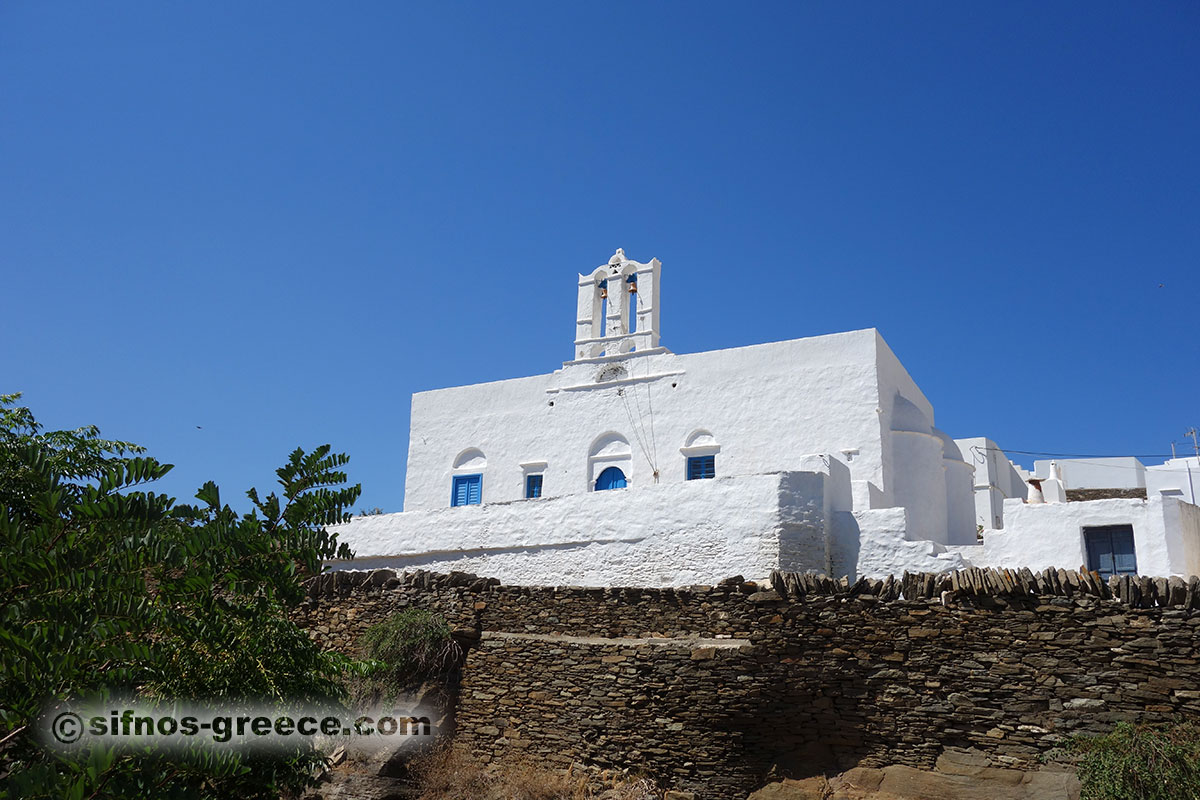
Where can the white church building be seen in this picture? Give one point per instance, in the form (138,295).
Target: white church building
(632,465)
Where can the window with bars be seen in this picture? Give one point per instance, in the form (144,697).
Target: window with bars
(699,467)
(533,486)
(467,490)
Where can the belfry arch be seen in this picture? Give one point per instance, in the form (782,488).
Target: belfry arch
(618,308)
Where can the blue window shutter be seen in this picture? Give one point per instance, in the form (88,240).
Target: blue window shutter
(1124,561)
(611,478)
(467,490)
(1110,550)
(1099,552)
(700,467)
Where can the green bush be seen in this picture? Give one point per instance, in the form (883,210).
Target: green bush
(109,589)
(409,647)
(1144,762)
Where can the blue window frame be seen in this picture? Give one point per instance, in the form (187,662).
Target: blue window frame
(533,486)
(699,467)
(1110,550)
(467,491)
(611,478)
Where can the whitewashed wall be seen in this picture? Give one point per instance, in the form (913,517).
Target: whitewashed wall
(1125,472)
(765,406)
(960,493)
(874,543)
(996,479)
(1186,516)
(1178,476)
(667,535)
(758,408)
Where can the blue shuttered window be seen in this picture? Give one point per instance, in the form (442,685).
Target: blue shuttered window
(533,486)
(1110,550)
(467,490)
(611,478)
(701,467)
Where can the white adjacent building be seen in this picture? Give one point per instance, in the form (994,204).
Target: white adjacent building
(1143,519)
(632,465)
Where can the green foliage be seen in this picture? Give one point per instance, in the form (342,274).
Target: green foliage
(409,647)
(107,589)
(1148,762)
(72,455)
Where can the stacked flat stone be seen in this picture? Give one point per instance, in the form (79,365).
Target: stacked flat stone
(709,687)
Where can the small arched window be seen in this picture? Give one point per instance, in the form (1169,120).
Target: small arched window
(466,485)
(610,478)
(611,456)
(700,451)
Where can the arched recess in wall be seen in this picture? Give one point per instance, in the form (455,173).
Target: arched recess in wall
(609,449)
(466,477)
(907,417)
(611,297)
(470,460)
(599,308)
(700,449)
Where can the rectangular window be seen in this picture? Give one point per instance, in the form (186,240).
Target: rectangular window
(533,486)
(1110,550)
(468,490)
(701,467)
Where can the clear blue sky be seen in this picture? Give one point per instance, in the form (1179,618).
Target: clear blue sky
(277,221)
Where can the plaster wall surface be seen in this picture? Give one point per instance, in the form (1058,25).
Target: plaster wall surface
(1189,527)
(960,502)
(1052,534)
(996,479)
(758,409)
(1178,476)
(873,543)
(1125,472)
(672,534)
(902,406)
(920,485)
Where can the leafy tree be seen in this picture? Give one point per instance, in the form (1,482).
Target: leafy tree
(109,589)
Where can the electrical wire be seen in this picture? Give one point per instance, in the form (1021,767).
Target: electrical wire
(977,454)
(1079,455)
(637,436)
(649,398)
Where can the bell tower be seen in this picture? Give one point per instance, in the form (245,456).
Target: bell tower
(618,308)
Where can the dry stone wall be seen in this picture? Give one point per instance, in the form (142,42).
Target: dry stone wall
(710,688)
(1079,495)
